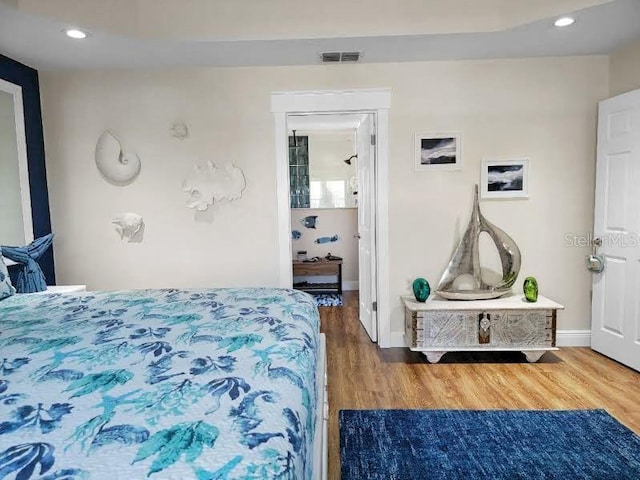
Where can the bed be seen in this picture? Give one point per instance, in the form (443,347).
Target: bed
(164,384)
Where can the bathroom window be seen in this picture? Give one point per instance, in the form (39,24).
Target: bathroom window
(328,194)
(299,172)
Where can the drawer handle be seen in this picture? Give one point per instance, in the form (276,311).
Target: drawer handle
(485,322)
(484,330)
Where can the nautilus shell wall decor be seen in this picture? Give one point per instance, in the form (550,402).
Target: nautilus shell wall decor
(130,226)
(462,280)
(209,184)
(115,166)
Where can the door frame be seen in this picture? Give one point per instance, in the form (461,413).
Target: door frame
(376,101)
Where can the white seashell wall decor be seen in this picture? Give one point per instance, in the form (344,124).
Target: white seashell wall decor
(209,184)
(130,226)
(179,130)
(116,166)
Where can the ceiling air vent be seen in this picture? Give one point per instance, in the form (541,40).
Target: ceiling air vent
(340,57)
(330,57)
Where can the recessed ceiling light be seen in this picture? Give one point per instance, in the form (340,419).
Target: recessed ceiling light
(564,22)
(75,33)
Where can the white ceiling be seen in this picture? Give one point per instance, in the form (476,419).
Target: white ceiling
(36,38)
(232,20)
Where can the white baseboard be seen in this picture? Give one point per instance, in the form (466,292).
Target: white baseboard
(397,340)
(564,338)
(350,285)
(573,338)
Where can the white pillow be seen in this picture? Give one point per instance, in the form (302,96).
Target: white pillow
(6,288)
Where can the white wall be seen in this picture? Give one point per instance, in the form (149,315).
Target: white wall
(544,109)
(624,69)
(236,247)
(331,221)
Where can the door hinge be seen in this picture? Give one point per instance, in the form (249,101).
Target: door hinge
(373,139)
(375,306)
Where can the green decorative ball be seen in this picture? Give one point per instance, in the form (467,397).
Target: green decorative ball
(530,288)
(421,289)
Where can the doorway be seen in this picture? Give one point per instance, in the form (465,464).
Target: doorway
(371,108)
(333,241)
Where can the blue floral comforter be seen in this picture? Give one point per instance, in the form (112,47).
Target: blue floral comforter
(161,384)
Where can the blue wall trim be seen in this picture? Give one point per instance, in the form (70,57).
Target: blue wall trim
(27,78)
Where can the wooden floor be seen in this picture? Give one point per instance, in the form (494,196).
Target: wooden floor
(362,376)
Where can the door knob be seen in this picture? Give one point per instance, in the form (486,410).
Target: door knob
(357,235)
(595,262)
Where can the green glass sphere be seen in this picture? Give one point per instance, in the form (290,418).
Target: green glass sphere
(530,288)
(421,289)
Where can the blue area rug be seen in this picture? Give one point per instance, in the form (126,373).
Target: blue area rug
(491,444)
(328,299)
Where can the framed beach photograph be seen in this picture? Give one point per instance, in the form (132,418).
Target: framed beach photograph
(505,178)
(438,151)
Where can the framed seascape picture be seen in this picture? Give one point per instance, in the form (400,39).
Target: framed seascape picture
(505,178)
(438,151)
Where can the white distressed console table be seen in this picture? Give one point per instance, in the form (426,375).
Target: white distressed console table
(438,326)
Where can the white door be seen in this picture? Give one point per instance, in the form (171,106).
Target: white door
(366,224)
(615,329)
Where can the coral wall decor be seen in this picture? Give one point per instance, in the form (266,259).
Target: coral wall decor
(209,184)
(113,163)
(129,225)
(179,130)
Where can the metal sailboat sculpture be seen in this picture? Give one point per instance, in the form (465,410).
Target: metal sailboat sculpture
(466,262)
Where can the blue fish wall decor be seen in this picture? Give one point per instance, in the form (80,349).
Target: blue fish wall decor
(296,234)
(335,238)
(310,221)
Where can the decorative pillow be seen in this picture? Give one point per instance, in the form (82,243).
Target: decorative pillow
(6,289)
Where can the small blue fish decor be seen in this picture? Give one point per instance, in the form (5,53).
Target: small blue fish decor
(310,221)
(335,238)
(296,234)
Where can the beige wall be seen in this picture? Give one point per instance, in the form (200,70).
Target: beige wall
(624,69)
(336,221)
(543,109)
